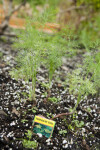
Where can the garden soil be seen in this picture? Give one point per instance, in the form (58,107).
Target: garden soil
(17,112)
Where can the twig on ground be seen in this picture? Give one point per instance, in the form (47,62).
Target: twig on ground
(70,113)
(63,114)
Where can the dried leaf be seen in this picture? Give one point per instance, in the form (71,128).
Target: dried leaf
(15,112)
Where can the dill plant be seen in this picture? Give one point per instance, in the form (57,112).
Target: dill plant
(36,48)
(29,57)
(85,80)
(27,143)
(92,67)
(53,61)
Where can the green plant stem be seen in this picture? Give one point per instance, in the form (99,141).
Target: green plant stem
(33,89)
(33,93)
(50,80)
(48,95)
(78,100)
(34,72)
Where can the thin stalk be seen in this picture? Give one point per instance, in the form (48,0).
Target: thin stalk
(49,82)
(33,85)
(33,82)
(78,100)
(33,91)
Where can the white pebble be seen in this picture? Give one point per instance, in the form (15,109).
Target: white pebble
(95,115)
(48,140)
(71,142)
(48,143)
(66,146)
(79,112)
(64,141)
(12,123)
(39,134)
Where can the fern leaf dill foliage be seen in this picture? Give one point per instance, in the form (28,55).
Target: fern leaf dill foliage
(28,59)
(35,49)
(53,58)
(85,80)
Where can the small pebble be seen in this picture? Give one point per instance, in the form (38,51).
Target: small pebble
(64,141)
(39,134)
(66,146)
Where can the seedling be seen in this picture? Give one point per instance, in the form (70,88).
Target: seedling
(45,94)
(80,86)
(78,124)
(89,109)
(29,134)
(75,124)
(24,113)
(45,85)
(24,120)
(63,132)
(28,143)
(33,109)
(53,99)
(81,83)
(48,115)
(37,48)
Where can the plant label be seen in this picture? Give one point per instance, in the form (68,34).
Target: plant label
(43,126)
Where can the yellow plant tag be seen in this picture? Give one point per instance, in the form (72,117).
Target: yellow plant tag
(43,126)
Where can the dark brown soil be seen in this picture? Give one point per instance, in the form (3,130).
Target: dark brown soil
(14,108)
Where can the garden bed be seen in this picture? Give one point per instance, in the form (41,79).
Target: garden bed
(17,114)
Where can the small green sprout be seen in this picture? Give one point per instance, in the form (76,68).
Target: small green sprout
(63,132)
(48,114)
(89,109)
(24,120)
(29,134)
(78,124)
(30,144)
(54,99)
(33,109)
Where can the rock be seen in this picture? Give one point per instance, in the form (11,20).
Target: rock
(39,134)
(66,146)
(64,68)
(48,140)
(64,141)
